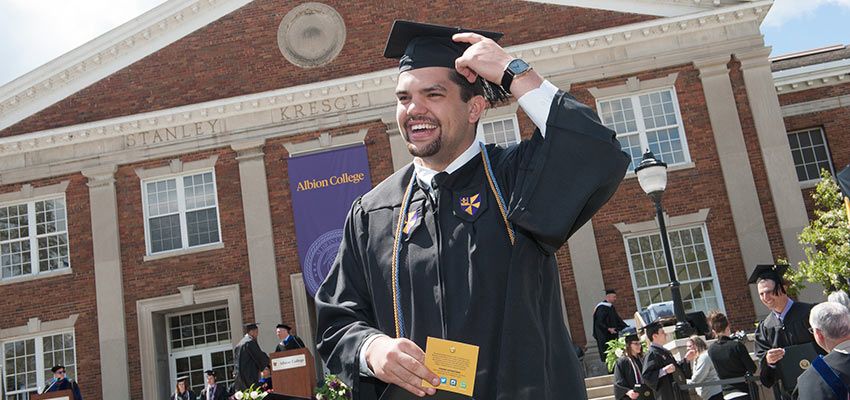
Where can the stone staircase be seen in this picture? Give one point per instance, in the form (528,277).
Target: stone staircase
(600,387)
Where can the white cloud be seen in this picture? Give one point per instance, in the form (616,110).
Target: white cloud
(786,10)
(37,31)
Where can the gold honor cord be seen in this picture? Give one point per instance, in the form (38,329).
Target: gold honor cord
(398,317)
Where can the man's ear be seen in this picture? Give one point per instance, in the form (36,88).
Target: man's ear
(476,106)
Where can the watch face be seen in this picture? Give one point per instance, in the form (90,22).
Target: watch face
(518,66)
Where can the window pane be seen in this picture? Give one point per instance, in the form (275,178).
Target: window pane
(199,328)
(500,132)
(809,152)
(202,226)
(59,349)
(50,216)
(199,191)
(15,259)
(162,197)
(165,233)
(19,362)
(53,252)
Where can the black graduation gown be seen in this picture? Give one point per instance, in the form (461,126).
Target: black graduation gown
(459,276)
(294,342)
(626,377)
(731,360)
(658,358)
(65,384)
(810,385)
(249,361)
(604,317)
(774,333)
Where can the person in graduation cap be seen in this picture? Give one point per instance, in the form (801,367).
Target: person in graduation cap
(628,383)
(182,390)
(213,390)
(606,322)
(249,359)
(785,325)
(61,381)
(661,372)
(460,244)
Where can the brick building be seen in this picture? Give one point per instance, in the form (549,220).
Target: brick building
(143,176)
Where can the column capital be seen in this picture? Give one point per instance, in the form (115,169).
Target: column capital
(391,123)
(249,149)
(754,58)
(712,66)
(101,175)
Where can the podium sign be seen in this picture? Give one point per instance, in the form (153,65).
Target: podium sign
(293,373)
(57,395)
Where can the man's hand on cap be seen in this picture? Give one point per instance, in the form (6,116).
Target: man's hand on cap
(400,362)
(484,57)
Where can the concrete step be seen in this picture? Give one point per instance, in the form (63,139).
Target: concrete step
(596,381)
(600,391)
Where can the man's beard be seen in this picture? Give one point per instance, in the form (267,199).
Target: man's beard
(428,150)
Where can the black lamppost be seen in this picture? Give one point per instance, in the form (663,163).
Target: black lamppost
(652,176)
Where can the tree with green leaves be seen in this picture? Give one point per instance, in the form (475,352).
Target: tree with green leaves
(826,240)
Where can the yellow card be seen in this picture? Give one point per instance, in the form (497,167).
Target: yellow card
(454,362)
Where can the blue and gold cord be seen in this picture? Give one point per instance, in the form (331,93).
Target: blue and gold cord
(398,317)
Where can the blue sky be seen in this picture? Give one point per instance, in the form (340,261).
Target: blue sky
(34,32)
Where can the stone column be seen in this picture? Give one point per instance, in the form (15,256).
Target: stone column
(109,289)
(398,146)
(735,166)
(258,236)
(587,270)
(773,140)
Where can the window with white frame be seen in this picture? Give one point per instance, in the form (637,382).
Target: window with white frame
(27,363)
(810,154)
(200,341)
(693,263)
(501,132)
(649,120)
(181,212)
(33,238)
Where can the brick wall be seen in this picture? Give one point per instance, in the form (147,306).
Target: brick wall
(57,297)
(835,124)
(225,58)
(688,191)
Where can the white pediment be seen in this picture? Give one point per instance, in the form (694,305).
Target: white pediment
(661,8)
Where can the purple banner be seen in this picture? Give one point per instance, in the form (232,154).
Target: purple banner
(323,186)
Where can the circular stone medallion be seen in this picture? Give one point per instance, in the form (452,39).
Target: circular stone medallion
(311,35)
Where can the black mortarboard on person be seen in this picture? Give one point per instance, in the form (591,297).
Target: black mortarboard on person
(420,45)
(652,327)
(773,272)
(210,372)
(250,326)
(182,378)
(610,291)
(284,326)
(630,335)
(57,368)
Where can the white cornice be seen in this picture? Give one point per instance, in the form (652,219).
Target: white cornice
(378,85)
(812,76)
(107,54)
(661,8)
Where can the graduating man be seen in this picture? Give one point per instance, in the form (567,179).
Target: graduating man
(288,341)
(829,377)
(606,322)
(786,324)
(250,360)
(61,382)
(661,371)
(460,244)
(212,390)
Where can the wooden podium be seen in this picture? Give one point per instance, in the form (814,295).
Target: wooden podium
(57,395)
(293,373)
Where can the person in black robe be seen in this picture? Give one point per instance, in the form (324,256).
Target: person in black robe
(182,390)
(628,383)
(288,341)
(661,372)
(213,390)
(60,381)
(831,325)
(249,359)
(785,325)
(465,236)
(730,357)
(606,322)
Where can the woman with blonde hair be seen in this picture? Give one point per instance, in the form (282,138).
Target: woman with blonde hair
(703,370)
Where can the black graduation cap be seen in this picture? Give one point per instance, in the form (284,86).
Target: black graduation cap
(420,45)
(56,368)
(610,291)
(652,327)
(284,326)
(210,372)
(843,178)
(630,334)
(768,271)
(251,326)
(182,378)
